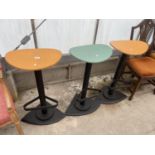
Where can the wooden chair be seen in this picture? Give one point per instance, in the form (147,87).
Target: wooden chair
(143,67)
(146,29)
(8,114)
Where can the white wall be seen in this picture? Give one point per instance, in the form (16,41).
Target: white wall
(115,29)
(66,33)
(63,34)
(11,32)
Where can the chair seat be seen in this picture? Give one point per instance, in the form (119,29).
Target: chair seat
(4,115)
(144,66)
(91,53)
(153,54)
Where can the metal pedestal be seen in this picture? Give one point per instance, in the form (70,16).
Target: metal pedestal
(82,105)
(110,95)
(45,113)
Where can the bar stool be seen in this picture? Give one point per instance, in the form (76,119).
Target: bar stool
(82,105)
(36,60)
(126,48)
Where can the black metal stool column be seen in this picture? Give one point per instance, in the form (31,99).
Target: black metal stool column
(109,92)
(41,92)
(82,105)
(45,113)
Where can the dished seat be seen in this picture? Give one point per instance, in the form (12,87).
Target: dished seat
(4,114)
(92,53)
(144,66)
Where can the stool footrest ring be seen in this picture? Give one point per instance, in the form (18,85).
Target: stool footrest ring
(40,107)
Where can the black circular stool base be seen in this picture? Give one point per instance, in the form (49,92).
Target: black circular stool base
(91,105)
(114,98)
(36,117)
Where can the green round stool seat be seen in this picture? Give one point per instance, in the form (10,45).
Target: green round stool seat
(91,53)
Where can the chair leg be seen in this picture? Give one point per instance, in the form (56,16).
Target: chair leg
(19,128)
(16,121)
(135,88)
